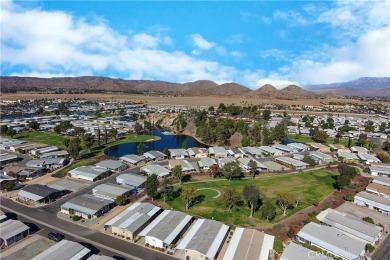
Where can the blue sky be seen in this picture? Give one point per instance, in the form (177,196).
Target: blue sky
(251,43)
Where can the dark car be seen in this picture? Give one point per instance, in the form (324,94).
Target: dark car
(55,236)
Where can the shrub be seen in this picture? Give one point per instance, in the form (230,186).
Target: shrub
(369,220)
(349,197)
(128,238)
(370,248)
(291,232)
(381,225)
(76,218)
(278,246)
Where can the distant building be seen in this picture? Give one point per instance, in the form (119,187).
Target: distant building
(132,180)
(133,220)
(64,249)
(379,169)
(372,201)
(87,206)
(185,165)
(296,164)
(249,244)
(112,165)
(89,173)
(166,229)
(39,194)
(204,240)
(294,252)
(133,159)
(110,191)
(331,240)
(156,169)
(12,231)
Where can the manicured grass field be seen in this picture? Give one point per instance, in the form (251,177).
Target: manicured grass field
(308,139)
(313,185)
(42,137)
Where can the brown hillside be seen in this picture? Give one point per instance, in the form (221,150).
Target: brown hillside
(266,91)
(295,92)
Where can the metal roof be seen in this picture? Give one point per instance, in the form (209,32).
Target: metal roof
(134,217)
(11,228)
(249,244)
(294,252)
(385,181)
(332,240)
(350,225)
(109,191)
(132,158)
(155,169)
(205,237)
(37,192)
(86,203)
(64,250)
(131,179)
(167,226)
(291,161)
(374,200)
(100,257)
(110,164)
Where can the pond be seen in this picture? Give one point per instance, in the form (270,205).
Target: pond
(166,141)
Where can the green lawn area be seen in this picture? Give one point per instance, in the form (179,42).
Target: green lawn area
(307,139)
(313,185)
(42,137)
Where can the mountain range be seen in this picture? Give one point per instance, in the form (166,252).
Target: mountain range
(359,87)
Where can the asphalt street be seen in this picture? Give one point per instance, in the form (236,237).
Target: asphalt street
(383,251)
(102,243)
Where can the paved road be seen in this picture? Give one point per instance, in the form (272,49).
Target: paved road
(102,242)
(383,251)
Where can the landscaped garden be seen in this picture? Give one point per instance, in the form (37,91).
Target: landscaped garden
(311,186)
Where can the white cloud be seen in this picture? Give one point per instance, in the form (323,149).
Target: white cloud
(276,82)
(201,42)
(143,40)
(55,43)
(236,54)
(292,17)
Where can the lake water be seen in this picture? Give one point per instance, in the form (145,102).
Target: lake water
(166,141)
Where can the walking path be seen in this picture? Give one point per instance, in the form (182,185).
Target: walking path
(215,197)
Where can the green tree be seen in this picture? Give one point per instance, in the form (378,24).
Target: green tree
(369,126)
(137,128)
(342,181)
(113,133)
(166,151)
(386,146)
(279,132)
(166,188)
(268,210)
(151,186)
(211,110)
(79,131)
(8,186)
(230,197)
(11,132)
(267,136)
(267,114)
(214,171)
(33,125)
(40,111)
(188,194)
(382,127)
(66,142)
(245,141)
(252,164)
(252,196)
(232,170)
(74,148)
(88,141)
(221,108)
(285,201)
(57,129)
(307,159)
(383,156)
(320,136)
(370,248)
(3,129)
(362,140)
(177,171)
(98,136)
(140,148)
(119,200)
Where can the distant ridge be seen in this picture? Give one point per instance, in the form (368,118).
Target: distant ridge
(359,87)
(367,86)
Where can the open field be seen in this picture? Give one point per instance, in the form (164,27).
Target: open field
(193,101)
(313,185)
(308,139)
(42,137)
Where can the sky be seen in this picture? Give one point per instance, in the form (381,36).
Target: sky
(248,42)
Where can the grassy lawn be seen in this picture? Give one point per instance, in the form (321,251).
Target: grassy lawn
(307,139)
(313,185)
(42,137)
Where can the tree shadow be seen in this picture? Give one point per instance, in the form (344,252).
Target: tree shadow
(176,193)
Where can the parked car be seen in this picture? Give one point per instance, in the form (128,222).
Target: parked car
(55,236)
